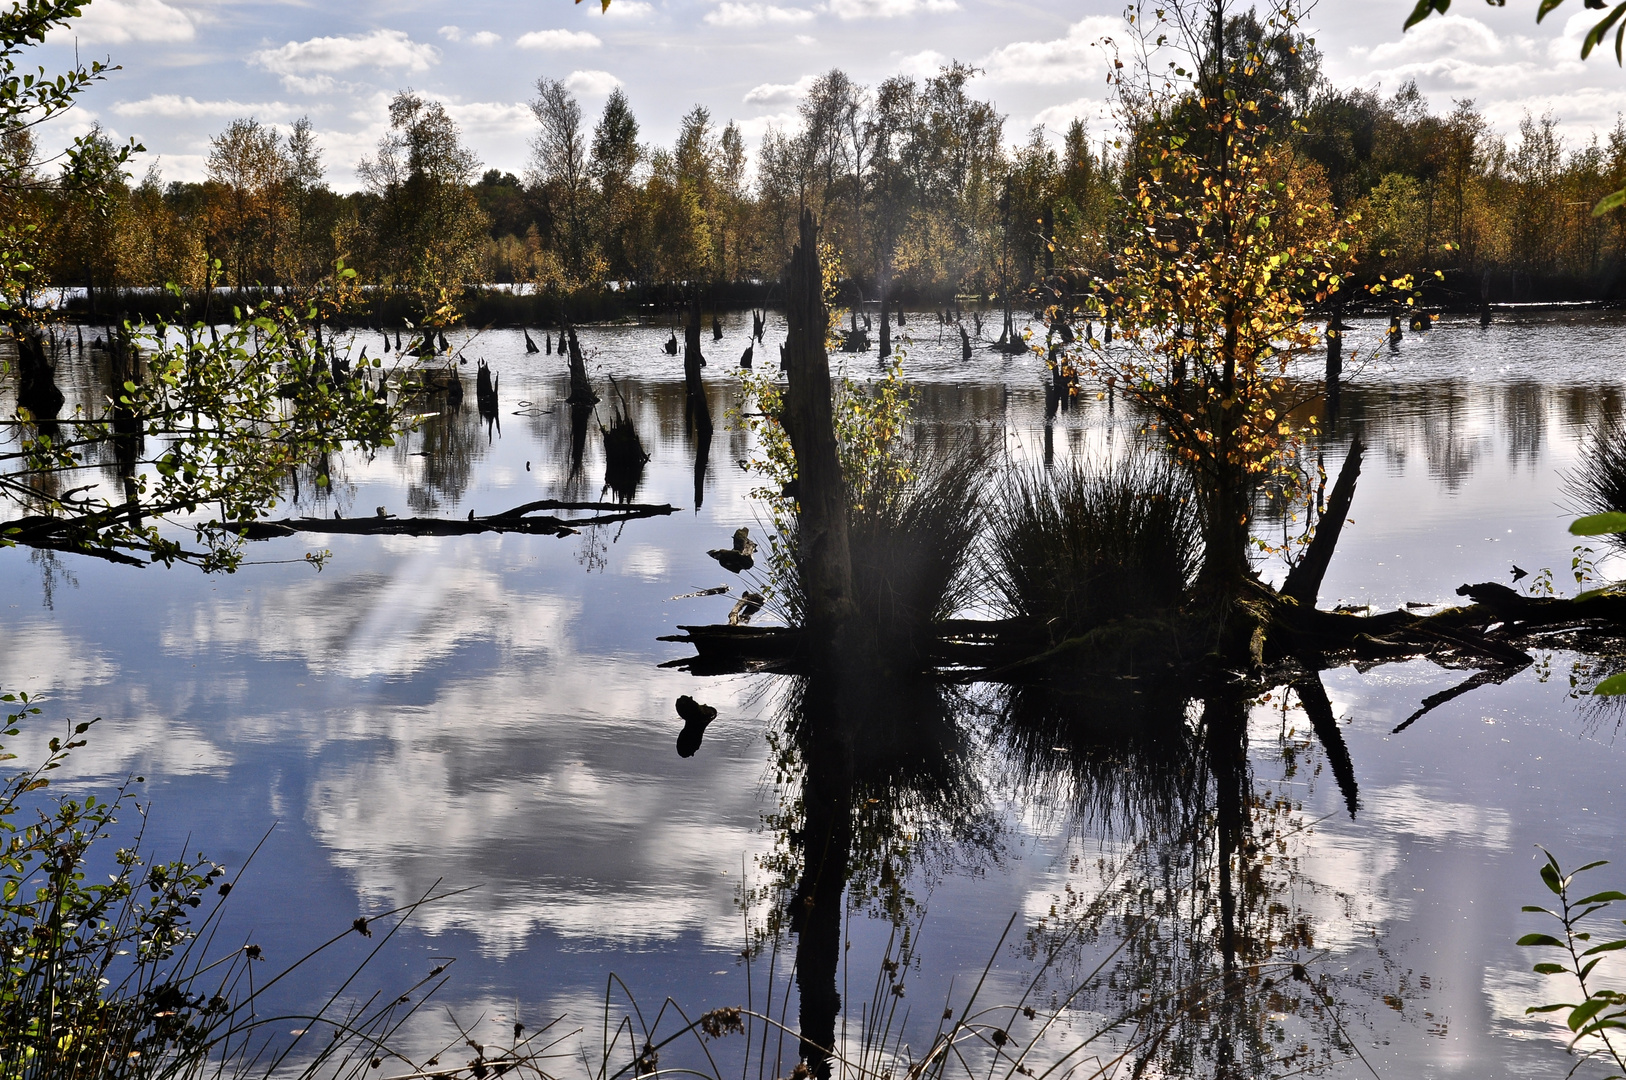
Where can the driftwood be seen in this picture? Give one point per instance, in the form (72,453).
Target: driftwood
(520,519)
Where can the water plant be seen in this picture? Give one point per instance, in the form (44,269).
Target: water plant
(1599,1017)
(1079,545)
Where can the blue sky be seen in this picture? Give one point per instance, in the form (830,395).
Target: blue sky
(191,66)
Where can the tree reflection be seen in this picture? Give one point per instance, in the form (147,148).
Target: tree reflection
(877,776)
(1193,937)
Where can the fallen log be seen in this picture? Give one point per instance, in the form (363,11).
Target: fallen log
(516,520)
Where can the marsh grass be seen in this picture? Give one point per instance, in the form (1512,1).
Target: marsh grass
(113,964)
(912,533)
(1596,484)
(1076,546)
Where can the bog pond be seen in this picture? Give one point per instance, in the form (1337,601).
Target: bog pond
(493,711)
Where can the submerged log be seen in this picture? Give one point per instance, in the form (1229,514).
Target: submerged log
(485,390)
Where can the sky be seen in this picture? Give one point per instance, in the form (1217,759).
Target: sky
(189,67)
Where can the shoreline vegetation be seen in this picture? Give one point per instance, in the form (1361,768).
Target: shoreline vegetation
(924,196)
(1247,205)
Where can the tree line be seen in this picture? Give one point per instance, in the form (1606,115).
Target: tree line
(920,192)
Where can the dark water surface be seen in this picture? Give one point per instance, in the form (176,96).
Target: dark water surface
(491,711)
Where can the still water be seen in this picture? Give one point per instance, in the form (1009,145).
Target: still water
(492,711)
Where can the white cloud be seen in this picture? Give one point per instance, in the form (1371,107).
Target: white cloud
(116,22)
(889,9)
(175,106)
(483,37)
(1452,35)
(312,84)
(753,128)
(628,9)
(923,64)
(1067,59)
(492,117)
(806,39)
(1060,117)
(187,168)
(738,15)
(591,83)
(779,93)
(559,39)
(383,49)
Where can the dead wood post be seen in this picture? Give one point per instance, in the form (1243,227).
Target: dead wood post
(1303,582)
(810,422)
(581,387)
(696,413)
(36,375)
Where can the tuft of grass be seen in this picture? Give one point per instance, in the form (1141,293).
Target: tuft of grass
(912,533)
(1077,546)
(1597,482)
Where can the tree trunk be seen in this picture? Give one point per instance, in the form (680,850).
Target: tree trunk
(1303,582)
(810,422)
(696,412)
(36,378)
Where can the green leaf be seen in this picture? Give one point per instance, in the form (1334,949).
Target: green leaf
(1615,684)
(1601,898)
(1586,1011)
(1608,946)
(1601,28)
(1540,939)
(1599,524)
(1549,969)
(1424,9)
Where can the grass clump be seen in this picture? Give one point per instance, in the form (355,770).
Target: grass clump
(1078,546)
(1597,483)
(913,522)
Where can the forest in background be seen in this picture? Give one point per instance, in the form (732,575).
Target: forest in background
(923,195)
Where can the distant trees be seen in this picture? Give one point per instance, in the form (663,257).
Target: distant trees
(423,231)
(1444,192)
(918,185)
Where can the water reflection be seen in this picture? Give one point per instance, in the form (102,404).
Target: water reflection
(479,710)
(1195,950)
